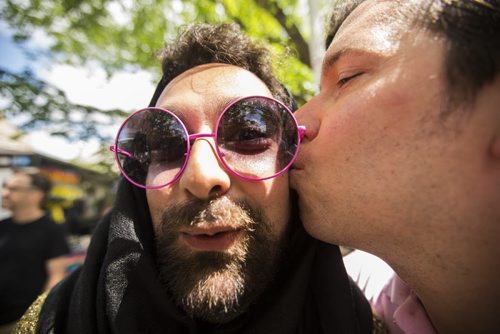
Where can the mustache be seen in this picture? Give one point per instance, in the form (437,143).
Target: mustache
(222,210)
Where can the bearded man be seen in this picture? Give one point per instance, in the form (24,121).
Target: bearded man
(204,235)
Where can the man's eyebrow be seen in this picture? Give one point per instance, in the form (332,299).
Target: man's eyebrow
(221,102)
(214,107)
(331,59)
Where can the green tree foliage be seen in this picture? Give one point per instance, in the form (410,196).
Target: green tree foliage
(46,107)
(125,35)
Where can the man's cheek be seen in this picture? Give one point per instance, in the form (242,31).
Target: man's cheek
(154,209)
(278,215)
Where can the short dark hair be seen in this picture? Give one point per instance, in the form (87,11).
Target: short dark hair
(38,180)
(225,43)
(472,32)
(340,11)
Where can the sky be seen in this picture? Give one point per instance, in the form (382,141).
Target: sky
(88,86)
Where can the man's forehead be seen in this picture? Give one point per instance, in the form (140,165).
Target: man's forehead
(19,179)
(207,89)
(200,70)
(374,26)
(215,76)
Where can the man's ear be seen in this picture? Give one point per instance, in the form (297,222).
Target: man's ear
(38,195)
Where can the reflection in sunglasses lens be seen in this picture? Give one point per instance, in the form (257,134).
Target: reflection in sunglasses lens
(157,143)
(257,137)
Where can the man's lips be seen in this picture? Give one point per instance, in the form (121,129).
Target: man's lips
(210,239)
(295,169)
(297,165)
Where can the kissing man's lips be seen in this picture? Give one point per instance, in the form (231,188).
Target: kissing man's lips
(297,165)
(210,238)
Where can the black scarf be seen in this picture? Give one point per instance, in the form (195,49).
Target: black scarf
(118,291)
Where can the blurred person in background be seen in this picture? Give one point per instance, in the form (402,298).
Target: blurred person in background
(33,248)
(204,235)
(401,156)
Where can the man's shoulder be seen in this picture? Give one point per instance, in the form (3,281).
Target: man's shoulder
(40,317)
(47,220)
(6,221)
(29,321)
(51,236)
(42,222)
(48,223)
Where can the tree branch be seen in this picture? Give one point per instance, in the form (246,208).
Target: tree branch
(292,30)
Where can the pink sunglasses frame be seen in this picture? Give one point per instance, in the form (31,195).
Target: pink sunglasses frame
(191,137)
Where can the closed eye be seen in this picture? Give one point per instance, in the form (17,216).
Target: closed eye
(342,81)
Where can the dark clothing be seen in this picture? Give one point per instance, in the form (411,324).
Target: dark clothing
(24,250)
(118,289)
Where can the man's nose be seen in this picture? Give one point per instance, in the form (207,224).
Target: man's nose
(307,117)
(204,176)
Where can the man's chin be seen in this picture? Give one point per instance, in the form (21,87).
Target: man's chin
(207,285)
(216,286)
(217,296)
(206,264)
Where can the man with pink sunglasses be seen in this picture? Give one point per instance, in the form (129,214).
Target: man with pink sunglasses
(401,156)
(204,236)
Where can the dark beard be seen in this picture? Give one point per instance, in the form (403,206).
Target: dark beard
(217,286)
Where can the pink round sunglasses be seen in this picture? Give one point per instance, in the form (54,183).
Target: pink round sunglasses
(256,138)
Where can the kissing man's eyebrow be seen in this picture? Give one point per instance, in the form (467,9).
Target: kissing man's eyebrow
(331,59)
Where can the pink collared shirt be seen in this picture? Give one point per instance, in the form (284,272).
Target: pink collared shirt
(391,298)
(401,309)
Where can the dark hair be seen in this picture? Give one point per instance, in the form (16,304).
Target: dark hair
(340,11)
(472,32)
(225,43)
(38,181)
(42,183)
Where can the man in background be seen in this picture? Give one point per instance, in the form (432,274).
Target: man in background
(32,246)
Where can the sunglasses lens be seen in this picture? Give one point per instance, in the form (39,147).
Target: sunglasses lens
(257,137)
(151,147)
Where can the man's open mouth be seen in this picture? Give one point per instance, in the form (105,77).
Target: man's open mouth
(212,239)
